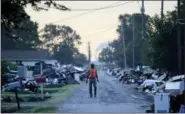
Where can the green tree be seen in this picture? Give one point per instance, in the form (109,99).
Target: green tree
(4,67)
(117,48)
(13,13)
(18,31)
(62,41)
(28,37)
(106,55)
(163,42)
(55,34)
(64,53)
(80,59)
(140,49)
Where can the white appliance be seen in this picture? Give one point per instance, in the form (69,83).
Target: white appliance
(162,103)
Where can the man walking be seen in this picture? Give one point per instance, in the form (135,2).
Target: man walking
(93,79)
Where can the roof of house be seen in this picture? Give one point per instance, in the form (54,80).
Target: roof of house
(29,55)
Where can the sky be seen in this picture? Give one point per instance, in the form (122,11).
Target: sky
(98,27)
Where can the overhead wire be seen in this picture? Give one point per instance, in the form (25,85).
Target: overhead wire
(81,14)
(90,12)
(101,8)
(72,17)
(78,15)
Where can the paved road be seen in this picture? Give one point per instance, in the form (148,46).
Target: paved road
(111,97)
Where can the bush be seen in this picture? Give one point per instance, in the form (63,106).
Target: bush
(9,64)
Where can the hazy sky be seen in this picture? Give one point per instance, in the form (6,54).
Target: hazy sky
(97,27)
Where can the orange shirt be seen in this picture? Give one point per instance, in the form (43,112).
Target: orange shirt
(92,73)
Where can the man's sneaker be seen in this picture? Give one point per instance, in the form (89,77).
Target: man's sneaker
(91,96)
(94,95)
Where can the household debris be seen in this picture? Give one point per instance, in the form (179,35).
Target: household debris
(167,90)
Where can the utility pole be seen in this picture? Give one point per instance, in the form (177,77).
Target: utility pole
(142,11)
(123,23)
(89,52)
(178,38)
(162,9)
(133,21)
(143,30)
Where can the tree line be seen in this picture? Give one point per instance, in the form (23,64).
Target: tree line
(19,32)
(157,49)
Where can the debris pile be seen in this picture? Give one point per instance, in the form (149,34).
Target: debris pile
(158,84)
(28,81)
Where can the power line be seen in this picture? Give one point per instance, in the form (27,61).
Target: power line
(68,18)
(81,14)
(78,15)
(72,17)
(101,8)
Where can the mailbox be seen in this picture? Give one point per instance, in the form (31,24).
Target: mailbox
(41,79)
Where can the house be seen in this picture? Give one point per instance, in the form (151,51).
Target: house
(27,57)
